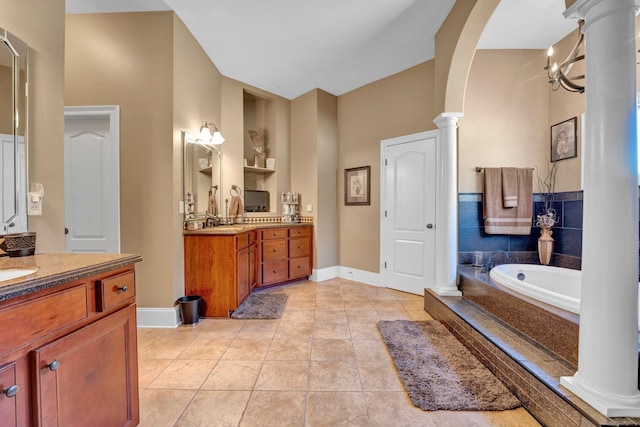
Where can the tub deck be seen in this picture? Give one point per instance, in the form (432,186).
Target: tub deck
(554,328)
(528,368)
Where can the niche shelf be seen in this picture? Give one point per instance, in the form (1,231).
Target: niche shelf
(253,169)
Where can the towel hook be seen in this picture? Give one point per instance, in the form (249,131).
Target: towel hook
(238,191)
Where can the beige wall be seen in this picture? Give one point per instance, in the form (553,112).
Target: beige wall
(326,204)
(394,106)
(41,25)
(197,88)
(505,116)
(564,105)
(314,157)
(304,152)
(125,59)
(150,65)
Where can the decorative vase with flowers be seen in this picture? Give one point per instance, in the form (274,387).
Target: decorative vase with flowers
(548,217)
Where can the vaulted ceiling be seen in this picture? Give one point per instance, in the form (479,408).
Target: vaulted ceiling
(289,47)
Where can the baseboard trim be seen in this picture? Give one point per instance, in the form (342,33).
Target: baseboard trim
(361,276)
(348,273)
(158,317)
(322,274)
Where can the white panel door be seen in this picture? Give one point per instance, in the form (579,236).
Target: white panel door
(408,213)
(92,184)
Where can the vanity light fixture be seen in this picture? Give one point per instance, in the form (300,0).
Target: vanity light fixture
(206,135)
(559,74)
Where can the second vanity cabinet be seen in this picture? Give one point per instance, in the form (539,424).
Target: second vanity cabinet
(68,354)
(221,269)
(225,268)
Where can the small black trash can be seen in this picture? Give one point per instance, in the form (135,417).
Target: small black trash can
(189,309)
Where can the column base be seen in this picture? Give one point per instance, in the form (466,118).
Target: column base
(447,292)
(607,405)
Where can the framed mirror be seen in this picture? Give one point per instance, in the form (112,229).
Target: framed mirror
(202,179)
(13,125)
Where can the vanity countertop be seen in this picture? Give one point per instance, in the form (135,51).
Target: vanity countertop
(56,269)
(229,230)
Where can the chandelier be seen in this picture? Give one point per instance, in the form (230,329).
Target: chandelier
(559,74)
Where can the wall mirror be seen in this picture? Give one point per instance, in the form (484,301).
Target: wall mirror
(202,178)
(13,125)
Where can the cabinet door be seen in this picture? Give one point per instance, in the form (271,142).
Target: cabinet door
(90,377)
(8,398)
(242,274)
(253,258)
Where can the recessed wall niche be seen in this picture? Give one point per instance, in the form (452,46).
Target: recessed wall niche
(259,145)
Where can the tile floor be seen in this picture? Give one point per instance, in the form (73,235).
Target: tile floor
(323,364)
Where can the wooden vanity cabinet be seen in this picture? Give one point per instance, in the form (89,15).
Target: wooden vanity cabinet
(67,360)
(285,254)
(221,269)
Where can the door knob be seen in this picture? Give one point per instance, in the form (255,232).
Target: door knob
(53,365)
(429,226)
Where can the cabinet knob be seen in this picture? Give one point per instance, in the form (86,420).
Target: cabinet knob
(123,289)
(53,366)
(11,391)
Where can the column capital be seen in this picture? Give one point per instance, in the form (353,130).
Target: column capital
(447,119)
(580,8)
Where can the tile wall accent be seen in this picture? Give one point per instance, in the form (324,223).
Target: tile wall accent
(567,234)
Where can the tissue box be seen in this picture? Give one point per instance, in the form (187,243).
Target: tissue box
(271,163)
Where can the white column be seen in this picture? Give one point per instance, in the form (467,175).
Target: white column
(447,205)
(607,376)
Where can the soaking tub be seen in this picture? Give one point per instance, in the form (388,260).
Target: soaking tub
(555,286)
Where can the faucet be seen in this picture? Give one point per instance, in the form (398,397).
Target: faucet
(487,264)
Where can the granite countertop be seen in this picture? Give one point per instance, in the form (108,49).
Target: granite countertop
(56,269)
(230,230)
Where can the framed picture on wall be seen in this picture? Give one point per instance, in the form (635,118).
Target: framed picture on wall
(564,140)
(357,186)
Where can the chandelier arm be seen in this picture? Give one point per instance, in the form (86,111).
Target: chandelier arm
(569,85)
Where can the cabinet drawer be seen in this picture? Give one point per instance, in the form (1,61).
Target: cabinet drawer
(299,247)
(275,271)
(299,267)
(116,289)
(299,231)
(26,322)
(274,233)
(274,250)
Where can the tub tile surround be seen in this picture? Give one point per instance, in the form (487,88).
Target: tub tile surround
(530,370)
(567,233)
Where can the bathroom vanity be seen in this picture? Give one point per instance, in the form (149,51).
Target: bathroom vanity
(225,264)
(68,353)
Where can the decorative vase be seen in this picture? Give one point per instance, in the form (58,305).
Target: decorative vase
(545,245)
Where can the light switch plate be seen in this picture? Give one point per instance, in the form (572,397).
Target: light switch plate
(309,208)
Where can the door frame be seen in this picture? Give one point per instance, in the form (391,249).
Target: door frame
(383,187)
(112,113)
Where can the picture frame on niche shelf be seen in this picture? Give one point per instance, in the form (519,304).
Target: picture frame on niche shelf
(357,186)
(564,140)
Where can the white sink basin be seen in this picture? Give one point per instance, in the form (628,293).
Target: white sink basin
(13,273)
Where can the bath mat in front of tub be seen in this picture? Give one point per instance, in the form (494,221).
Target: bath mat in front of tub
(261,305)
(439,373)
